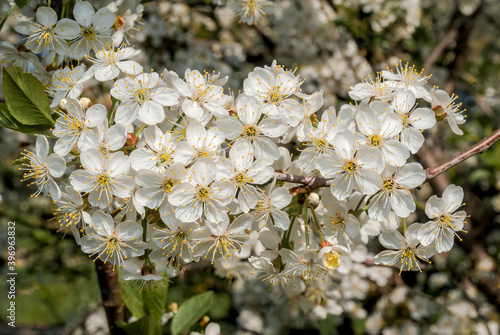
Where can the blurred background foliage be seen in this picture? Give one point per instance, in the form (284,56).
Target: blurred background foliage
(333,44)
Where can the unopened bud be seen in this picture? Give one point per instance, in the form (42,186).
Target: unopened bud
(204,321)
(86,103)
(131,140)
(313,199)
(173,307)
(62,104)
(314,120)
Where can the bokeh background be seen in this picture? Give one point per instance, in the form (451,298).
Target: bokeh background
(333,44)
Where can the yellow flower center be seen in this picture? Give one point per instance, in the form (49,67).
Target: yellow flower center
(250,131)
(388,185)
(202,153)
(203,194)
(241,179)
(103,180)
(89,33)
(350,166)
(331,259)
(375,141)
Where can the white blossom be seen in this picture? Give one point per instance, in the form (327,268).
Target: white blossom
(226,238)
(274,87)
(352,168)
(444,106)
(71,126)
(68,82)
(142,97)
(250,130)
(108,63)
(241,170)
(112,243)
(380,132)
(405,251)
(415,120)
(94,31)
(200,96)
(446,221)
(156,153)
(396,191)
(44,35)
(103,178)
(43,167)
(200,194)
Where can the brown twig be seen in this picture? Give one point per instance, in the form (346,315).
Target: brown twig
(480,147)
(311,182)
(109,284)
(477,148)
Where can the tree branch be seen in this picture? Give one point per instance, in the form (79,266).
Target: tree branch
(477,148)
(311,182)
(316,182)
(109,284)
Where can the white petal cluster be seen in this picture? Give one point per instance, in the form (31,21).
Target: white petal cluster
(164,174)
(178,171)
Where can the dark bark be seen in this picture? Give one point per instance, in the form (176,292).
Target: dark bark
(109,284)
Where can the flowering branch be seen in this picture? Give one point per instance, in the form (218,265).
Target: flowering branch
(477,148)
(480,147)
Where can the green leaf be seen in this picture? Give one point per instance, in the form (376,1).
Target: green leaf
(133,300)
(146,302)
(22,3)
(328,326)
(221,307)
(8,121)
(25,97)
(146,325)
(191,311)
(154,301)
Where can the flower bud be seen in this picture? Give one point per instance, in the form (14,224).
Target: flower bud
(131,140)
(204,321)
(313,199)
(86,103)
(173,307)
(62,104)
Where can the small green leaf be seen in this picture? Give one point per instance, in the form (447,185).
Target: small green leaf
(145,302)
(191,311)
(146,325)
(154,301)
(22,3)
(25,97)
(8,121)
(133,300)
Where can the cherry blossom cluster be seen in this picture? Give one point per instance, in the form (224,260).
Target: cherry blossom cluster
(178,170)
